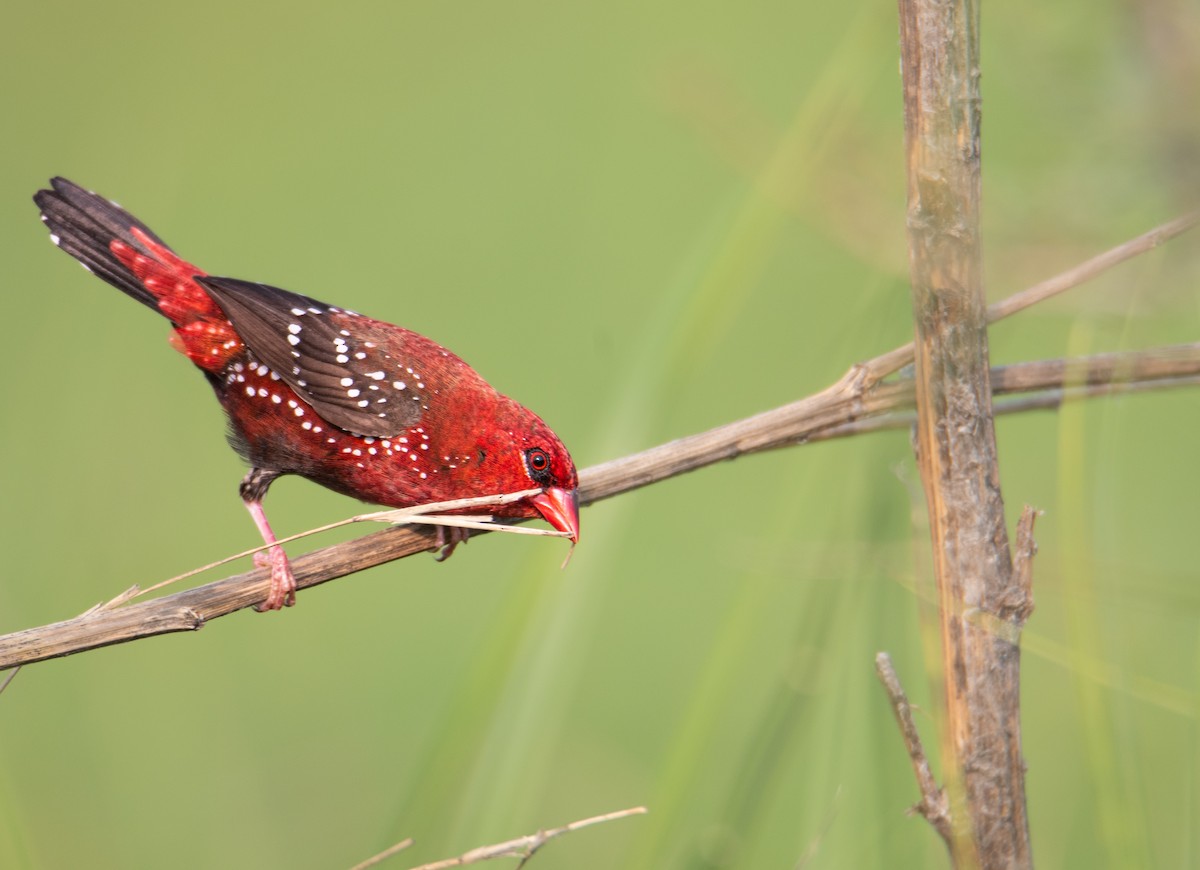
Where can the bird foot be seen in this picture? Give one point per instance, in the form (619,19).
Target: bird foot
(283,583)
(449,537)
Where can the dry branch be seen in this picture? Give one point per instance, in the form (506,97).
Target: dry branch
(932,806)
(841,410)
(859,402)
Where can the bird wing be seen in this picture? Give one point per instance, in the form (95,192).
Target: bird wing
(345,365)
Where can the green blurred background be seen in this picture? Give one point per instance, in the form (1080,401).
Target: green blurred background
(642,220)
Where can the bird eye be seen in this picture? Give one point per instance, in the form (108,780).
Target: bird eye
(538,463)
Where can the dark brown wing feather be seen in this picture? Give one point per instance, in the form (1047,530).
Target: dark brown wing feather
(338,361)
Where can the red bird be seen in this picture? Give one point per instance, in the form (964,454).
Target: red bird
(360,406)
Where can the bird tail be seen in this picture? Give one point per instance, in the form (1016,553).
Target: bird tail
(120,249)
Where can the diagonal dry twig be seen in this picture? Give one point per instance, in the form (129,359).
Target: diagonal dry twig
(427,514)
(933,805)
(375,860)
(519,847)
(860,401)
(897,359)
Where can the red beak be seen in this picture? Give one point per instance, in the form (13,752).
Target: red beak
(560,507)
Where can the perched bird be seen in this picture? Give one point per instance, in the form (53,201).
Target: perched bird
(360,406)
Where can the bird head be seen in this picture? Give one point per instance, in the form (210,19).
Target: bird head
(517,451)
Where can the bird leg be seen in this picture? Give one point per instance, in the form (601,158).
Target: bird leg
(283,583)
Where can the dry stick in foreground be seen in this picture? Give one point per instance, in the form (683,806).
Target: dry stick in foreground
(978,590)
(848,407)
(521,847)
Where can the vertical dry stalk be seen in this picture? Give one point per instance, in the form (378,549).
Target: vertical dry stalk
(982,607)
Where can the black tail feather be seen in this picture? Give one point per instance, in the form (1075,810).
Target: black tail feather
(83,224)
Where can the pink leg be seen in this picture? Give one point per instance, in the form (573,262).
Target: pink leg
(283,584)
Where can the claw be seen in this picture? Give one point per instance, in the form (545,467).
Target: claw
(449,537)
(283,583)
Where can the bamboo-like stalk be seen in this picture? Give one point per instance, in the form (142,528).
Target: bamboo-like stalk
(982,601)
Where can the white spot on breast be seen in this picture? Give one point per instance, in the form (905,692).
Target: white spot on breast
(353,394)
(345,382)
(376,376)
(399,385)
